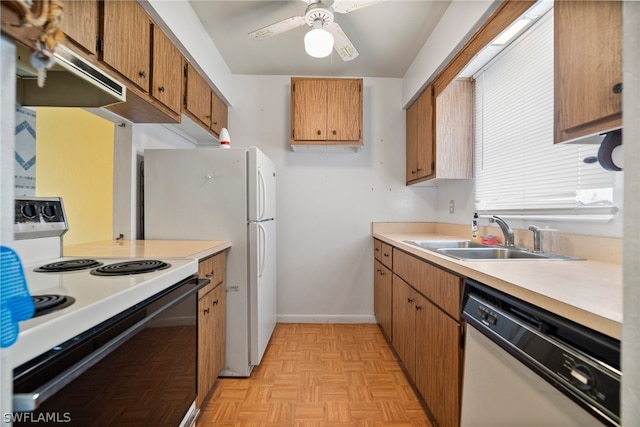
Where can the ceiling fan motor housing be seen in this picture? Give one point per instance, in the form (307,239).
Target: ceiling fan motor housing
(318,11)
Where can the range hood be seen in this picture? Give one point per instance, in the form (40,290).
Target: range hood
(70,82)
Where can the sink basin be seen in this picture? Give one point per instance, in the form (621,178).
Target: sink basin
(443,244)
(490,253)
(467,250)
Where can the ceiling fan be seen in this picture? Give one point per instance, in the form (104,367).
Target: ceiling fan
(325,34)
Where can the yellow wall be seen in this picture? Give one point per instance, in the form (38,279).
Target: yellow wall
(74,160)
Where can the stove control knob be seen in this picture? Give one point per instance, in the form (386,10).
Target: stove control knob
(49,211)
(28,210)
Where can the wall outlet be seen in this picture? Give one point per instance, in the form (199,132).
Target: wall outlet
(451,206)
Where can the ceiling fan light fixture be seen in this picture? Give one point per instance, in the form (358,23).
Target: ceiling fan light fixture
(318,42)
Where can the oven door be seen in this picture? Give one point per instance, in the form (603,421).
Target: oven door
(138,368)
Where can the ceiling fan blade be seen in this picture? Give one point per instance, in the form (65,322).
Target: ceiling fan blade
(341,43)
(346,6)
(278,27)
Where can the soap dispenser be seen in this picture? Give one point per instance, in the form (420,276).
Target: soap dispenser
(474,227)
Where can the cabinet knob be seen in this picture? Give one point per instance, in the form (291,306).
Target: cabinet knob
(319,132)
(413,172)
(215,302)
(418,307)
(333,132)
(161,89)
(617,88)
(409,300)
(215,123)
(142,73)
(387,255)
(206,310)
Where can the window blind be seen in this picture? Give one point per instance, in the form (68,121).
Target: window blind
(517,166)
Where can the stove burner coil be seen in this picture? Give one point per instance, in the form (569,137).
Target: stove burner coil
(45,304)
(130,267)
(68,265)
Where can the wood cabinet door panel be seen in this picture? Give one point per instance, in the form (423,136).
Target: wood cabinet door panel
(438,361)
(403,324)
(127,41)
(167,71)
(80,23)
(205,347)
(198,96)
(219,114)
(588,65)
(425,134)
(344,111)
(412,141)
(309,109)
(383,297)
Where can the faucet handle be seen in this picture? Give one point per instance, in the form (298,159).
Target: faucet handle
(537,238)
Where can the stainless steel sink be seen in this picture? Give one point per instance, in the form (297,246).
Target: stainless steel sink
(469,251)
(442,244)
(490,253)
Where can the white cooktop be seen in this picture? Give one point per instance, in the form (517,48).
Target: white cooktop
(97,298)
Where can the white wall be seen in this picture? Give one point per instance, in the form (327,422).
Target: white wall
(326,202)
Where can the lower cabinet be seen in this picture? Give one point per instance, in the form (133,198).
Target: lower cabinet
(427,331)
(211,325)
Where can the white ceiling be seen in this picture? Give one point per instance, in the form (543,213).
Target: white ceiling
(388,35)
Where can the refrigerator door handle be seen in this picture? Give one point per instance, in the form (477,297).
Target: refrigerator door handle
(261,195)
(262,248)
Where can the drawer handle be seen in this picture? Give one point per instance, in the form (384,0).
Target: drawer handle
(206,310)
(409,300)
(385,255)
(142,73)
(161,89)
(319,132)
(215,302)
(418,307)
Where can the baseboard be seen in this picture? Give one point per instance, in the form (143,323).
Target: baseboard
(326,318)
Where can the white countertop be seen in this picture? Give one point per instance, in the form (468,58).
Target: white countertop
(587,292)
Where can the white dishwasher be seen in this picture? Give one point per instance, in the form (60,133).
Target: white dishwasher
(527,367)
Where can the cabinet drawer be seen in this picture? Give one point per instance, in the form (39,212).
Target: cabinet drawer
(386,255)
(442,288)
(377,249)
(212,268)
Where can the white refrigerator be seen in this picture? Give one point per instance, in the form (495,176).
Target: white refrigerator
(223,194)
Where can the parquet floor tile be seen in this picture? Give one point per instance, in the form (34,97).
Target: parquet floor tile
(319,375)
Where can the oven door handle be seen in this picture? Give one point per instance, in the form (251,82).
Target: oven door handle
(27,402)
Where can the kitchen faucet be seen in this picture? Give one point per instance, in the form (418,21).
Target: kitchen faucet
(506,230)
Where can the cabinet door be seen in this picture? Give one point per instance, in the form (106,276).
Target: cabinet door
(198,93)
(127,41)
(167,71)
(438,361)
(588,67)
(205,347)
(383,297)
(219,114)
(403,323)
(344,110)
(420,137)
(80,23)
(309,109)
(219,307)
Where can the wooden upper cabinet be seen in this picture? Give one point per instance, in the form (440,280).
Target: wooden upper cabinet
(198,97)
(167,68)
(127,41)
(80,23)
(219,114)
(588,68)
(326,111)
(420,137)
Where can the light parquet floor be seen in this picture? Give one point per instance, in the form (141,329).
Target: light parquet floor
(324,375)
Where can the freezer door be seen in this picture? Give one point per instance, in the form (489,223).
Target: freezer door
(262,286)
(262,186)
